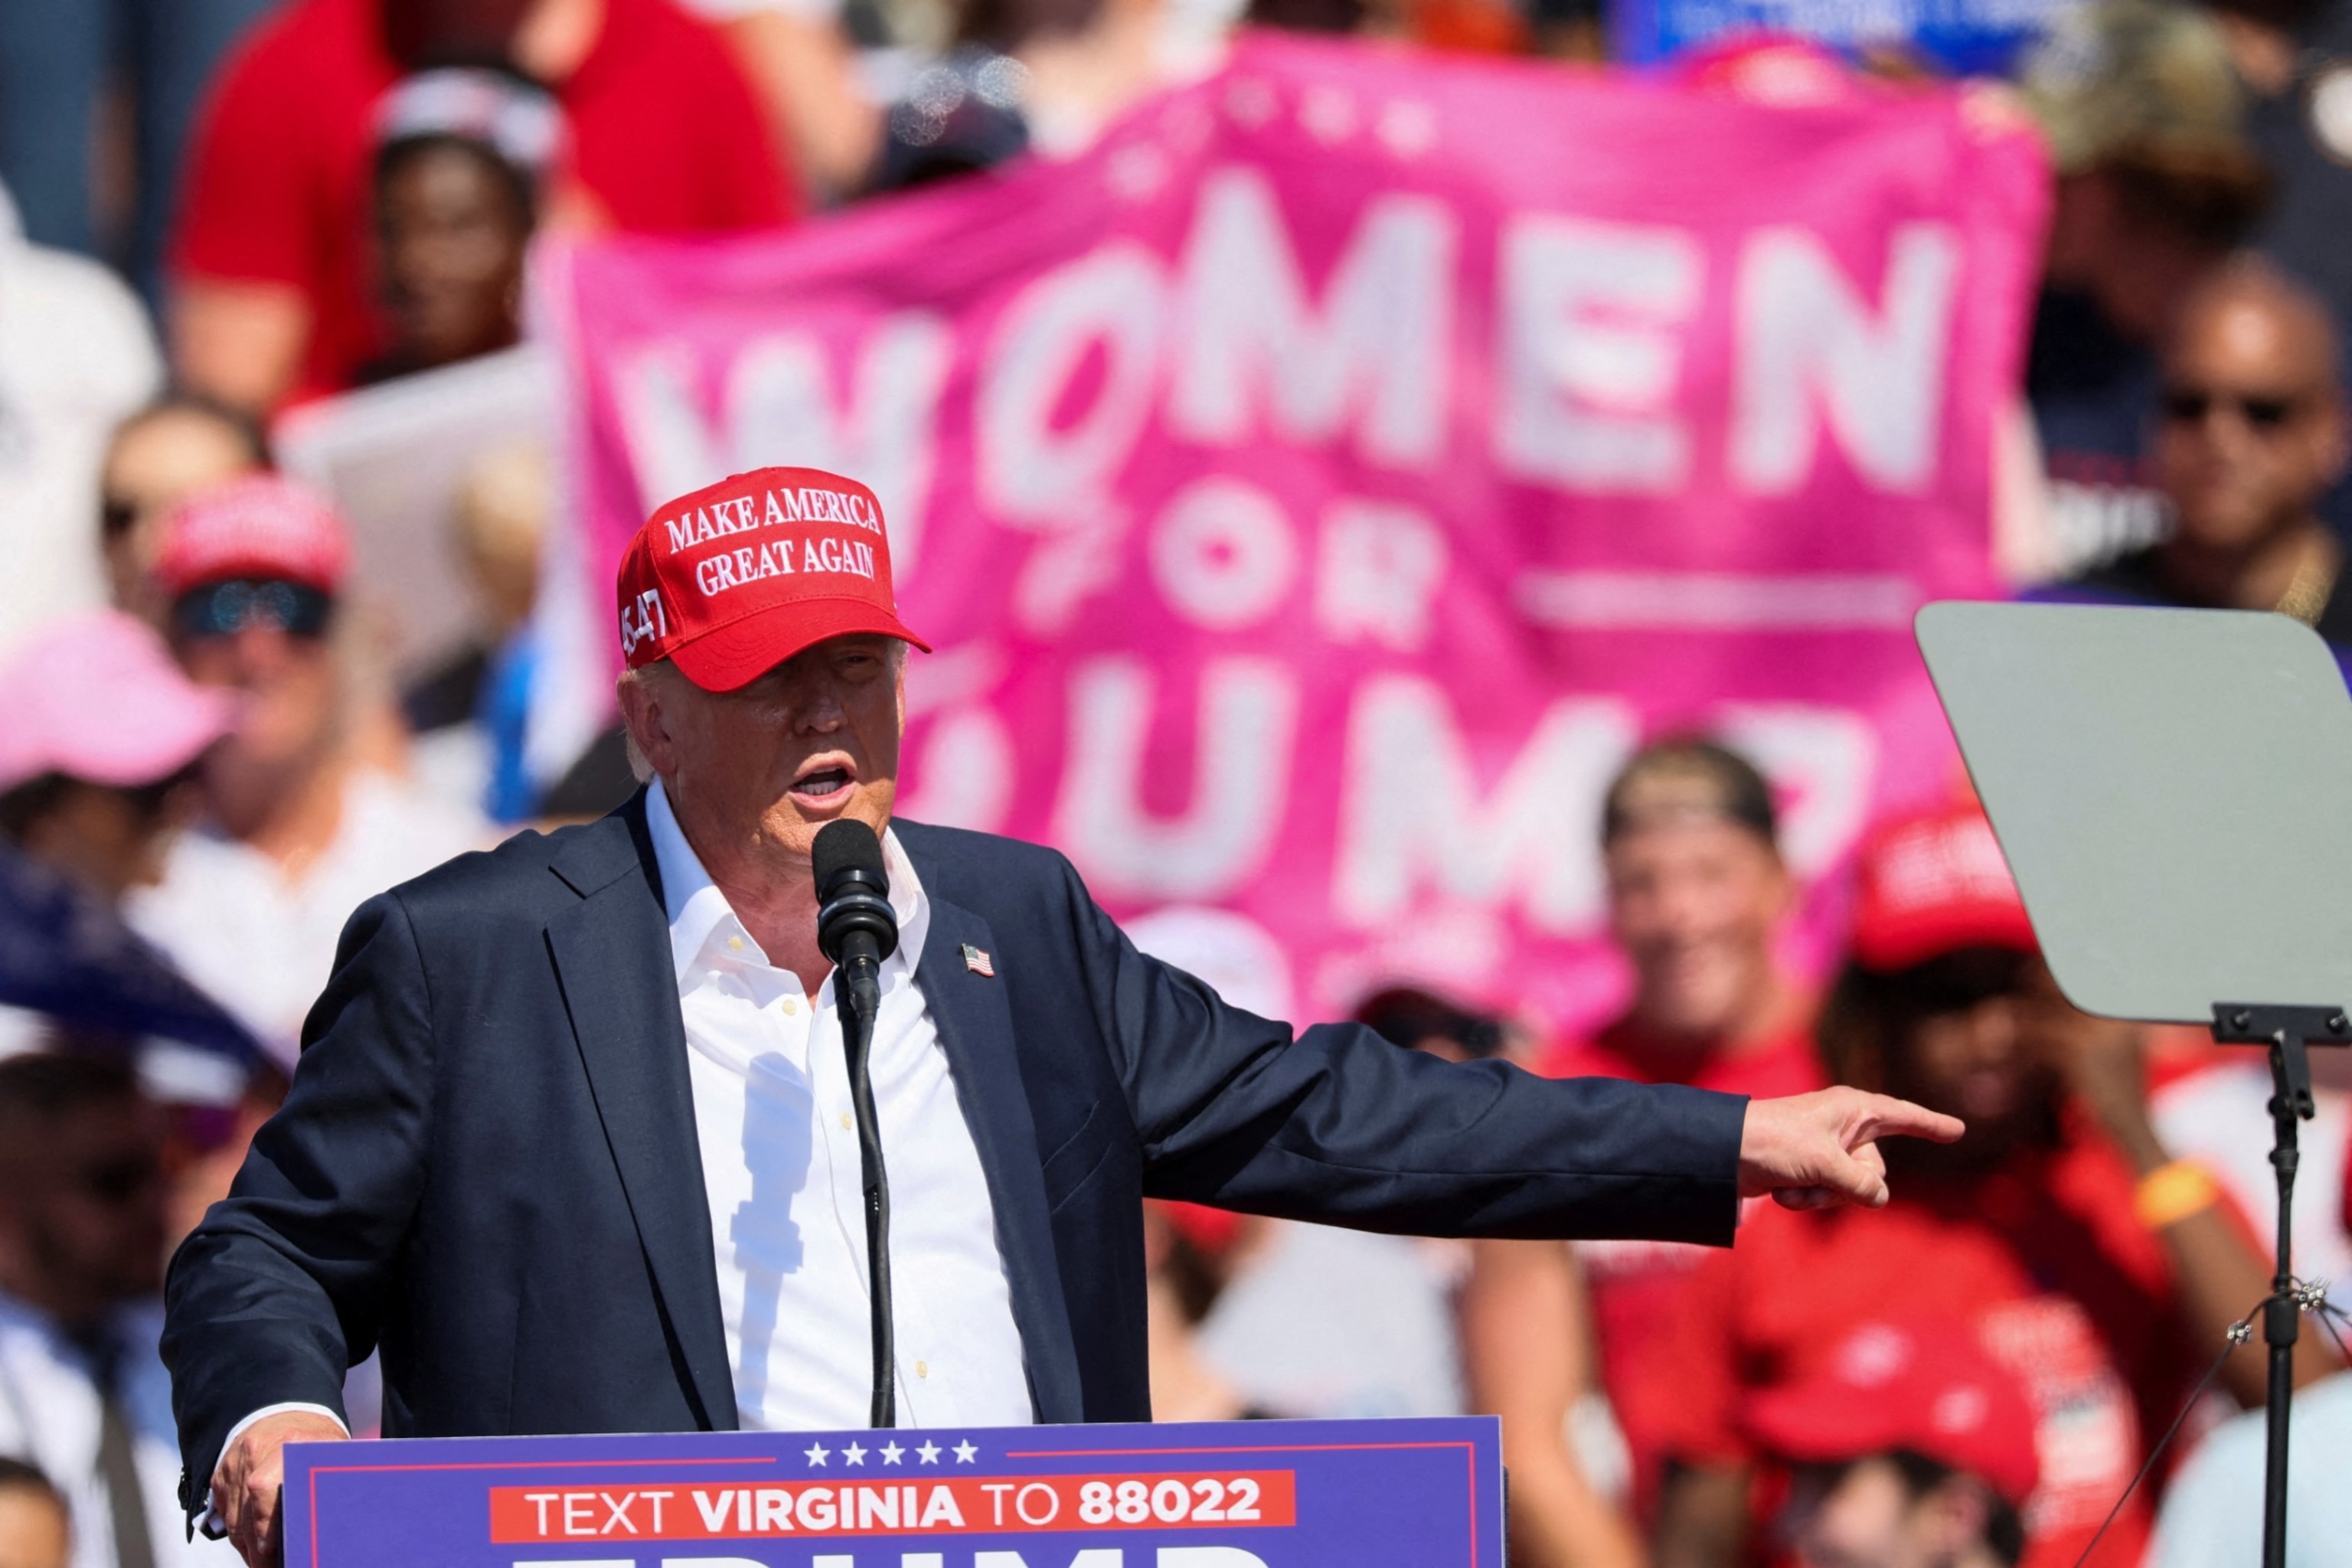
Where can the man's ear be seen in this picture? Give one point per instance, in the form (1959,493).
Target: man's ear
(643,716)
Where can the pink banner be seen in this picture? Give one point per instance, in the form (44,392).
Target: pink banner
(1315,492)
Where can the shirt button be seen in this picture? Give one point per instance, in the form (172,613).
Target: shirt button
(792,1006)
(734,944)
(846,1123)
(922,1369)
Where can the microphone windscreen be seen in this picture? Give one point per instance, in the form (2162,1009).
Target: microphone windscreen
(847,844)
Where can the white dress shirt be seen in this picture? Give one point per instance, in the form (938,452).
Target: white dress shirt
(779,1161)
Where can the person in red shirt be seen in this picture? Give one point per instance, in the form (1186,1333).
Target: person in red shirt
(2083,1257)
(274,290)
(1697,896)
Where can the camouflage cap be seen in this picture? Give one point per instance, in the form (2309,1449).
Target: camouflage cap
(2145,80)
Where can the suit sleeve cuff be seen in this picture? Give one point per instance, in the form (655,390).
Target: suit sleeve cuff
(210,1525)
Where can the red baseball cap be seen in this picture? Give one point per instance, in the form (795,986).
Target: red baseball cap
(735,578)
(262,525)
(1927,1386)
(1932,885)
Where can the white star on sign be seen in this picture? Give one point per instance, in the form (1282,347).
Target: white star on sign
(929,1453)
(817,1453)
(854,1455)
(890,1452)
(965,1452)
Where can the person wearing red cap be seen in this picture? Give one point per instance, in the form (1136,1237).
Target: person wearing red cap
(1698,897)
(298,827)
(1911,1446)
(2088,1261)
(570,1133)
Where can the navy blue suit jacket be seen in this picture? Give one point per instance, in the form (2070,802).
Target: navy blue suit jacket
(487,1168)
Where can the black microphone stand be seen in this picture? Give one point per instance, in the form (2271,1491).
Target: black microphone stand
(863,999)
(857,929)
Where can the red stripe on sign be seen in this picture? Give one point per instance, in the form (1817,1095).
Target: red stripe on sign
(958,1505)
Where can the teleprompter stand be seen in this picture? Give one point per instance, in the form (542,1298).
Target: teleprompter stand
(2289,1032)
(2173,791)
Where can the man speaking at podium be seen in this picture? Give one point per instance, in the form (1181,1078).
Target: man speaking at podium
(573,1140)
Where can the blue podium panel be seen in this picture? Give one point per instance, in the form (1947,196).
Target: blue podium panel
(1244,1494)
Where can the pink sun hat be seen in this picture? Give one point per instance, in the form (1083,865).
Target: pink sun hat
(98,698)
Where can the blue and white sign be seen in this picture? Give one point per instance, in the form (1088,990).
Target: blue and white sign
(1258,1494)
(1971,37)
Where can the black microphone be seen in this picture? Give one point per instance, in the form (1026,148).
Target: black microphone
(856,926)
(857,929)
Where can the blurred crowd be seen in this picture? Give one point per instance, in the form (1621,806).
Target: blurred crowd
(1974,1375)
(216,738)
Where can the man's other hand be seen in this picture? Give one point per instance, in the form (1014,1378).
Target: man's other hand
(1811,1151)
(248,1481)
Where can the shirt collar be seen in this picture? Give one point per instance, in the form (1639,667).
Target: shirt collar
(696,908)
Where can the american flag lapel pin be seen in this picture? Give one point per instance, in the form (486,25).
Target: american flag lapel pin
(978,961)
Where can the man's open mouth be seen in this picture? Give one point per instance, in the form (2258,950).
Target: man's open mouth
(822,783)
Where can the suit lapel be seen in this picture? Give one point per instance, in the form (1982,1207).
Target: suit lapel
(611,957)
(976,1026)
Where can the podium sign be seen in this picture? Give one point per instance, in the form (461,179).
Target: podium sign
(1249,1494)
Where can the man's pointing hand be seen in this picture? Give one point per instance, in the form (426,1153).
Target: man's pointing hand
(1810,1151)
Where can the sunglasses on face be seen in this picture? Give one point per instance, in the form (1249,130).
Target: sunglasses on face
(266,604)
(2194,405)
